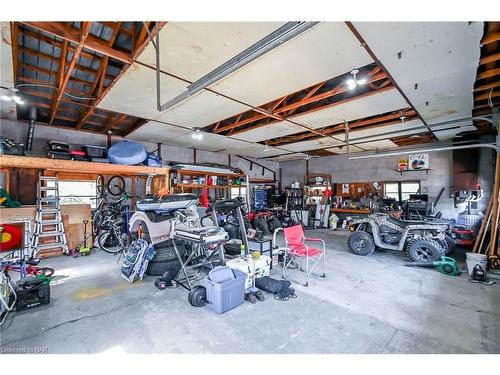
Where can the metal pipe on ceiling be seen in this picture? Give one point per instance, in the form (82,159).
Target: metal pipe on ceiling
(427,150)
(268,43)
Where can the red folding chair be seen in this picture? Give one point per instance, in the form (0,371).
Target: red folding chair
(297,247)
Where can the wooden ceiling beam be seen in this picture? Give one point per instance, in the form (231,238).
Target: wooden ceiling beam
(66,76)
(487,87)
(490,38)
(339,89)
(488,74)
(490,58)
(100,78)
(52,73)
(487,95)
(370,123)
(70,34)
(113,123)
(15,48)
(56,61)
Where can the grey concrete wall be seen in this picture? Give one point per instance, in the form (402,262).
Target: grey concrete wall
(17,131)
(486,171)
(379,169)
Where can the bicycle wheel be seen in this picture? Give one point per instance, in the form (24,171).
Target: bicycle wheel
(116,185)
(110,242)
(100,186)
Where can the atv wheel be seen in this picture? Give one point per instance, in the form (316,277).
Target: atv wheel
(260,224)
(425,250)
(274,224)
(361,243)
(448,243)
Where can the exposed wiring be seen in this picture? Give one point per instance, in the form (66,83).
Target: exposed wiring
(490,102)
(53,88)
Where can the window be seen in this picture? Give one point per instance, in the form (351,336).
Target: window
(408,188)
(392,190)
(400,191)
(238,192)
(77,192)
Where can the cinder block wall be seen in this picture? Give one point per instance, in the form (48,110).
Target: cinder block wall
(380,169)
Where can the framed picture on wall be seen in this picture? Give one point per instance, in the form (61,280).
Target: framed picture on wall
(418,162)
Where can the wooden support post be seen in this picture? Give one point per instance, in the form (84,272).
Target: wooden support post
(495,195)
(483,229)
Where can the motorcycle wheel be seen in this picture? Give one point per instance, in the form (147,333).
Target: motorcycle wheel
(448,243)
(361,243)
(425,250)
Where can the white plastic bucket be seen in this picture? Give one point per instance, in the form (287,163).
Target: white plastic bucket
(474,259)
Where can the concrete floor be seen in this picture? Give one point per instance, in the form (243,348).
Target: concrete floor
(365,305)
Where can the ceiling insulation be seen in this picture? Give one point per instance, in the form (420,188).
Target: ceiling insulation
(434,63)
(325,51)
(190,50)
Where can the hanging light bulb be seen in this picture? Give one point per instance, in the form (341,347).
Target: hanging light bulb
(197,134)
(353,82)
(12,96)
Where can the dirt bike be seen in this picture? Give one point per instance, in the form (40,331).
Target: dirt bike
(423,241)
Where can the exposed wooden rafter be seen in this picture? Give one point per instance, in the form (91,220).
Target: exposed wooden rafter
(66,76)
(63,31)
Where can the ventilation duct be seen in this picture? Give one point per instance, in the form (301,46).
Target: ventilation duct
(31,129)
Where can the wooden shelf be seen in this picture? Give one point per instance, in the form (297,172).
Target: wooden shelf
(415,170)
(187,172)
(200,186)
(351,210)
(70,166)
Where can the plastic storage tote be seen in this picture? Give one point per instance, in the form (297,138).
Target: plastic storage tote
(228,293)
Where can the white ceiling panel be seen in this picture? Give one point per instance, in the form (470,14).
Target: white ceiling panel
(135,92)
(289,157)
(311,145)
(192,49)
(278,129)
(356,109)
(153,131)
(323,52)
(378,132)
(378,145)
(201,109)
(7,109)
(343,150)
(440,57)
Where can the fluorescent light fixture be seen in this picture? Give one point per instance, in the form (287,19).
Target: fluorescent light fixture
(18,99)
(351,84)
(266,148)
(361,81)
(281,35)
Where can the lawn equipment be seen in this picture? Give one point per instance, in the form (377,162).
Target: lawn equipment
(423,241)
(445,265)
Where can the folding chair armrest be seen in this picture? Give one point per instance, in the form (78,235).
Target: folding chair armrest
(313,239)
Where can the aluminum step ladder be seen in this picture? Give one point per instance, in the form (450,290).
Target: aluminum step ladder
(48,220)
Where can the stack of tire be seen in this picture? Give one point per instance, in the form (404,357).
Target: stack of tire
(165,262)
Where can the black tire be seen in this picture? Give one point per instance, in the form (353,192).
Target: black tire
(46,271)
(100,185)
(197,297)
(110,245)
(449,244)
(425,250)
(116,185)
(274,224)
(361,243)
(160,284)
(232,248)
(260,224)
(162,268)
(164,254)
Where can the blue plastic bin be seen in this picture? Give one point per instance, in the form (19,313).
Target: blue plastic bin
(224,296)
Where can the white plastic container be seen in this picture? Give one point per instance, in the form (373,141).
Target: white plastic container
(251,267)
(474,259)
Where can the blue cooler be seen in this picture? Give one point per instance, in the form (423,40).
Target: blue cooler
(225,288)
